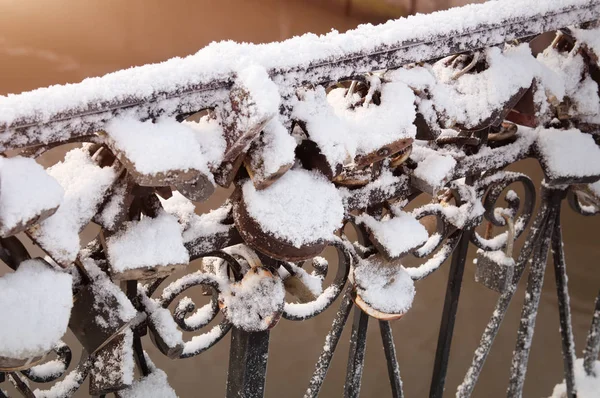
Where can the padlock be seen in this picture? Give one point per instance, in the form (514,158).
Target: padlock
(254,303)
(113,365)
(100,310)
(302,285)
(495,269)
(46,289)
(382,289)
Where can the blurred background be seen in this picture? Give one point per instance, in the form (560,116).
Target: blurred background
(63,41)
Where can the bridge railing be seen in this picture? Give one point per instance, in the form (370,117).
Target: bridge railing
(317,137)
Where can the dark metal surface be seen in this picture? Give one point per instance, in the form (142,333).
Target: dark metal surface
(356,356)
(247,363)
(392,361)
(442,354)
(564,309)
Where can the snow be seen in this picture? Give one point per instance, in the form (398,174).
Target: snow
(595,187)
(433,168)
(372,126)
(498,257)
(158,147)
(48,369)
(207,224)
(149,242)
(155,385)
(473,97)
(275,151)
(313,282)
(591,38)
(568,79)
(587,386)
(306,310)
(203,341)
(264,95)
(200,317)
(254,303)
(385,287)
(219,61)
(85,185)
(324,127)
(106,291)
(569,153)
(21,202)
(301,207)
(107,217)
(343,132)
(163,321)
(209,135)
(118,367)
(399,234)
(35,306)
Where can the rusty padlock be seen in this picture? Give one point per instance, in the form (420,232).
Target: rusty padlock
(382,289)
(302,285)
(101,310)
(255,302)
(113,366)
(495,269)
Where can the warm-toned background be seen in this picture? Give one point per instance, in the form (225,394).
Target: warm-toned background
(61,41)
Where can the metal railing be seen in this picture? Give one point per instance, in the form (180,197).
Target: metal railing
(233,245)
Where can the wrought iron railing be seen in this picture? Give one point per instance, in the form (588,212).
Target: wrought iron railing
(318,136)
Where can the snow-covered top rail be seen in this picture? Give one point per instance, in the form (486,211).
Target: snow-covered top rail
(181,86)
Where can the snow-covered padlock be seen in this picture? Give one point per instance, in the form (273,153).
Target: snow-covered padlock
(255,302)
(382,289)
(113,366)
(495,269)
(100,310)
(292,220)
(35,303)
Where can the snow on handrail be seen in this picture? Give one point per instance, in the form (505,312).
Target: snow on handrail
(178,86)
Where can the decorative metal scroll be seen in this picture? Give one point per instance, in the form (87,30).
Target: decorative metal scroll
(333,151)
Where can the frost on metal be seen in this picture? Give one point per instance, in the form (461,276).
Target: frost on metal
(322,142)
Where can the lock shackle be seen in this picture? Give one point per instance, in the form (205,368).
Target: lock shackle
(510,239)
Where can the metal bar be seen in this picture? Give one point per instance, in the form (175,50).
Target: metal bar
(247,364)
(564,309)
(411,47)
(331,341)
(529,312)
(20,385)
(540,224)
(392,361)
(442,353)
(592,348)
(356,355)
(2,379)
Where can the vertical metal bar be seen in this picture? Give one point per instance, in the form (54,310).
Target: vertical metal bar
(247,364)
(331,341)
(392,362)
(356,356)
(442,353)
(529,312)
(564,309)
(547,211)
(20,385)
(592,347)
(2,379)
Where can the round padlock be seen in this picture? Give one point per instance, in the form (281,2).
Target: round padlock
(255,302)
(382,289)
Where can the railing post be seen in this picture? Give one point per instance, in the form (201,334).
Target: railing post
(247,364)
(442,354)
